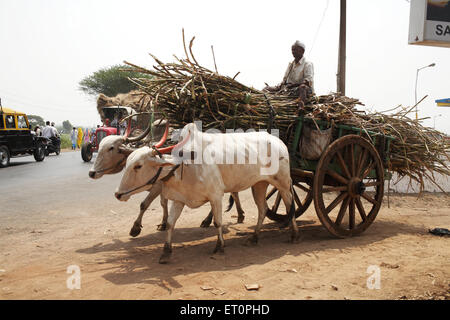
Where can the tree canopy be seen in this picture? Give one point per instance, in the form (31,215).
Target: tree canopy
(35,120)
(67,126)
(110,81)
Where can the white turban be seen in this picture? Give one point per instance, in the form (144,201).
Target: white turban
(299,44)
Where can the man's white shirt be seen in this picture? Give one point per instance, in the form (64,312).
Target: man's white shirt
(49,131)
(297,72)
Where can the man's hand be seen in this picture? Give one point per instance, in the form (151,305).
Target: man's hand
(291,85)
(306,83)
(272,89)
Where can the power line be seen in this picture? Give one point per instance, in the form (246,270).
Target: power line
(26,101)
(33,105)
(318,28)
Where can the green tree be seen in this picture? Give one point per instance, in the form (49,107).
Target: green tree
(110,81)
(67,126)
(35,120)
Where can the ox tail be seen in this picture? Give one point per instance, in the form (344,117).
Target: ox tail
(291,212)
(230,203)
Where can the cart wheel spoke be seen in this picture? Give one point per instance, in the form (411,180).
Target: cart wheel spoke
(361,162)
(333,189)
(302,199)
(342,211)
(271,193)
(352,159)
(351,214)
(297,199)
(361,210)
(302,187)
(373,184)
(337,176)
(335,202)
(368,198)
(277,203)
(367,170)
(343,165)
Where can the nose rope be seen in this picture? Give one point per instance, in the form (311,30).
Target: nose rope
(155,178)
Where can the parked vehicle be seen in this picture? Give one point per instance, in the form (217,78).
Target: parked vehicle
(112,126)
(17,139)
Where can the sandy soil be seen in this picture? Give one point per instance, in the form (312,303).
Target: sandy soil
(413,263)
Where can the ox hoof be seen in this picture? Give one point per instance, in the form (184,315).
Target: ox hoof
(284,225)
(136,230)
(241,219)
(162,227)
(219,247)
(165,258)
(252,240)
(294,238)
(167,252)
(205,223)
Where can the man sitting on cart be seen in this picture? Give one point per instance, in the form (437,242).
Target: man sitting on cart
(298,79)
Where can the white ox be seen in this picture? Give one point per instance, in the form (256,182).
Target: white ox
(111,159)
(195,184)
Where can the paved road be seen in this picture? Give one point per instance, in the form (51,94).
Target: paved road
(59,184)
(26,170)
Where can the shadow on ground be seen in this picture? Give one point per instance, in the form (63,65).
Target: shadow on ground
(136,260)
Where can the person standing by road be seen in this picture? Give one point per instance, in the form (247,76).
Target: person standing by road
(74,138)
(79,137)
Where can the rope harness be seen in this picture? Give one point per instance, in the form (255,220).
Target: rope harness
(155,178)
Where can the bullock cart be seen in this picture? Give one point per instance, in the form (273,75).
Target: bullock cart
(345,181)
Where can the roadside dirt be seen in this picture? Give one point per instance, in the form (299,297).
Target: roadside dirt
(70,150)
(413,264)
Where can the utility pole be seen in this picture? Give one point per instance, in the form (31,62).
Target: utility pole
(342,48)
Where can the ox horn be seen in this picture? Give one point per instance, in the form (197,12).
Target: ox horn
(169,149)
(164,137)
(139,137)
(125,150)
(127,133)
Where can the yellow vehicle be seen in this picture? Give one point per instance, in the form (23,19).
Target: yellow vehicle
(16,137)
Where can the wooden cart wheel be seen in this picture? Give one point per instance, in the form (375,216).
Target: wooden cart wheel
(348,167)
(302,196)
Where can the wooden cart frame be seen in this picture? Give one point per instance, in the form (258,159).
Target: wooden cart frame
(346,183)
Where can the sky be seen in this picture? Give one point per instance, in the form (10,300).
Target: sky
(47,47)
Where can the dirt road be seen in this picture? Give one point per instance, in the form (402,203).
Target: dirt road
(410,262)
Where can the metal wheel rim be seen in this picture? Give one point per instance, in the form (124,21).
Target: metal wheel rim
(3,157)
(89,152)
(41,152)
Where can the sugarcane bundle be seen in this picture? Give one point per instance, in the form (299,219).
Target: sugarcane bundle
(184,92)
(418,152)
